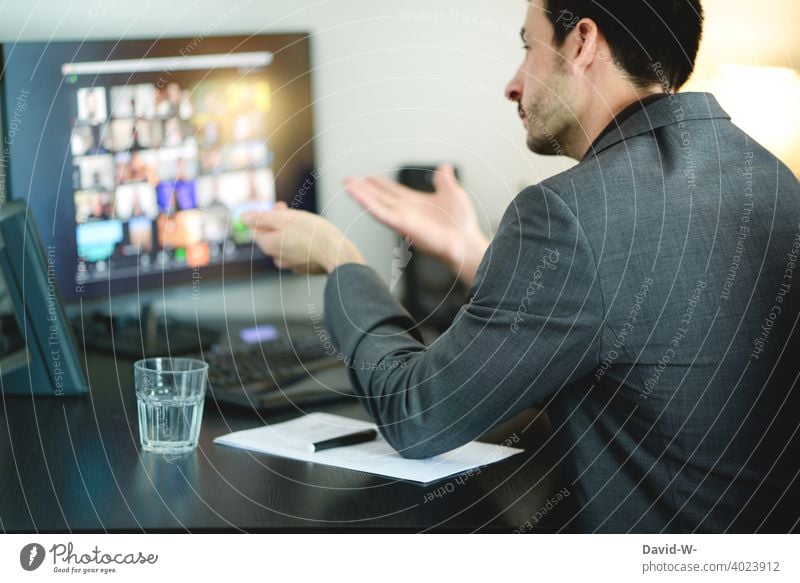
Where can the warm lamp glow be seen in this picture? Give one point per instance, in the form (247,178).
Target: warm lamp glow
(764,102)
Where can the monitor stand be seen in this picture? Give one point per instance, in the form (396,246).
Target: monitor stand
(141,336)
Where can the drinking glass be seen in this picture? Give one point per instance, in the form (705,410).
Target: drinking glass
(169,395)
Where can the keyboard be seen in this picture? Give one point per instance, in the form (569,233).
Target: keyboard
(264,376)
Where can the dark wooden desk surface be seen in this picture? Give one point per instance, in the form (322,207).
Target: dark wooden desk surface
(74,464)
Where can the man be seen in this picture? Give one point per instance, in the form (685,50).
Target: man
(648,295)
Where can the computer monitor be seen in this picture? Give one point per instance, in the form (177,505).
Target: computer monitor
(136,157)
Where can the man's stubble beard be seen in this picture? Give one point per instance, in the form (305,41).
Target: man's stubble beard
(551,119)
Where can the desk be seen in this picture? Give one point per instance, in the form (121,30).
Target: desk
(74,464)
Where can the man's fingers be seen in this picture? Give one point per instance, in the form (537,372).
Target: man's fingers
(444,177)
(264,220)
(377,203)
(269,242)
(368,195)
(384,214)
(391,187)
(379,187)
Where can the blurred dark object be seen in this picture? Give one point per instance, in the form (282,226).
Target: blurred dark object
(142,335)
(431,293)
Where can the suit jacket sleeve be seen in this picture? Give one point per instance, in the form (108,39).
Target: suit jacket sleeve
(532,326)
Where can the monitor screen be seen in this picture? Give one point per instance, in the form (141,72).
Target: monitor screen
(138,157)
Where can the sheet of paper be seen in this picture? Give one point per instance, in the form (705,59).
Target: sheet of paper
(291,439)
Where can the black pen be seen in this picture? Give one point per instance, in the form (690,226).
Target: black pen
(349,439)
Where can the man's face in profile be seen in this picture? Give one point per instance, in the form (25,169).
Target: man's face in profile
(541,85)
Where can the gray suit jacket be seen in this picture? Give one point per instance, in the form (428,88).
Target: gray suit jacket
(648,296)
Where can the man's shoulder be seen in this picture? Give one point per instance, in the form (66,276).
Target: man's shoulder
(650,159)
(564,186)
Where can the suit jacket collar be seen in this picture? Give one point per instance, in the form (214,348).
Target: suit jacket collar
(673,109)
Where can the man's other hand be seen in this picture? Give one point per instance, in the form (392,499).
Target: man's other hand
(443,224)
(301,241)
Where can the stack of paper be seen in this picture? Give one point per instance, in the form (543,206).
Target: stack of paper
(292,438)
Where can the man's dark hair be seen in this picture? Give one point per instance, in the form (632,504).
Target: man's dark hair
(654,41)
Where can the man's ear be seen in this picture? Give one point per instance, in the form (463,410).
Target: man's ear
(581,45)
